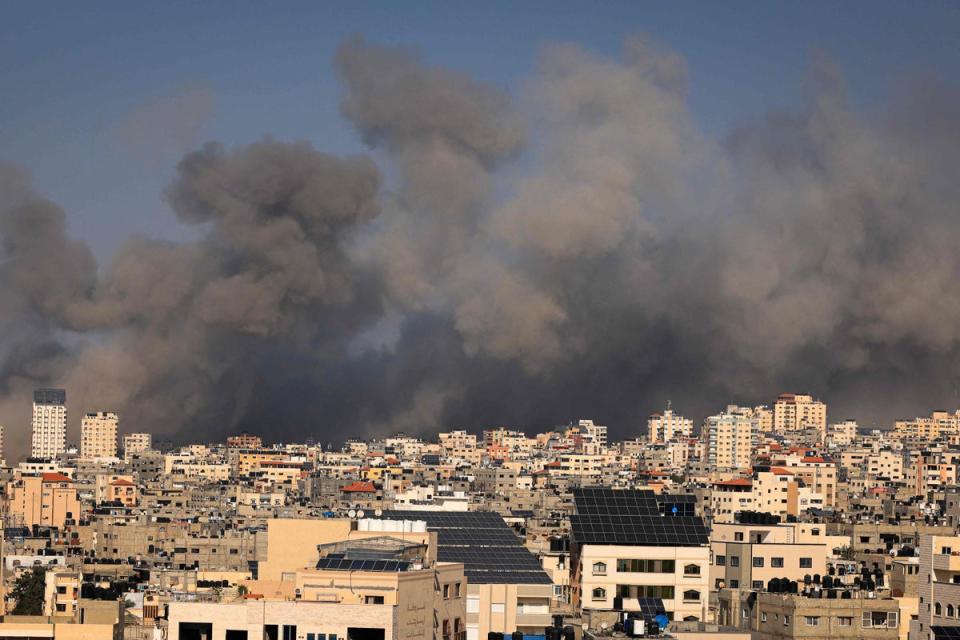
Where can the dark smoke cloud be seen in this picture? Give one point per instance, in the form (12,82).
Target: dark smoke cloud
(628,259)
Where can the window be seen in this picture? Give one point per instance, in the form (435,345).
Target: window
(763,616)
(758,562)
(776,563)
(734,561)
(446,591)
(718,583)
(720,561)
(599,568)
(599,593)
(289,632)
(937,609)
(812,621)
(758,585)
(456,590)
(786,621)
(61,607)
(949,610)
(879,619)
(844,621)
(946,550)
(691,570)
(738,536)
(806,563)
(734,584)
(373,600)
(646,566)
(311,636)
(814,532)
(691,595)
(473,604)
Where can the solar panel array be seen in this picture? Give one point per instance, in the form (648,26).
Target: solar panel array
(636,518)
(945,633)
(490,551)
(349,564)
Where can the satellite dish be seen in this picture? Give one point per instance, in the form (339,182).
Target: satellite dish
(604,625)
(378,512)
(352,513)
(360,513)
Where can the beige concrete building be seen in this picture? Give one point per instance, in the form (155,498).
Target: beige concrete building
(748,556)
(938,585)
(665,426)
(61,592)
(775,616)
(49,500)
(98,435)
(795,412)
(731,437)
(134,443)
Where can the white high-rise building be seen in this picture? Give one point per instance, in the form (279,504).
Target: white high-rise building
(597,431)
(668,425)
(49,423)
(98,435)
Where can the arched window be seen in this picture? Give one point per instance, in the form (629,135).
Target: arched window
(599,593)
(599,568)
(691,594)
(949,610)
(691,570)
(937,609)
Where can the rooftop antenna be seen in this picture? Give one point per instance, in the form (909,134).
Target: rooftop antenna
(669,404)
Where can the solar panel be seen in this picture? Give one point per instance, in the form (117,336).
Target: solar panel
(489,549)
(342,564)
(636,518)
(945,633)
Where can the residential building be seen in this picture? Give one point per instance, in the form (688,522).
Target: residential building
(49,423)
(795,412)
(48,500)
(668,426)
(134,443)
(631,544)
(98,435)
(731,437)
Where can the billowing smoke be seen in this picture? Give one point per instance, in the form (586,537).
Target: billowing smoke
(590,252)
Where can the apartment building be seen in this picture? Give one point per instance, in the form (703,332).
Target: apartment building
(662,427)
(842,434)
(938,424)
(134,443)
(367,591)
(816,472)
(938,586)
(749,553)
(98,435)
(787,616)
(772,490)
(630,544)
(49,438)
(49,499)
(507,588)
(795,412)
(731,437)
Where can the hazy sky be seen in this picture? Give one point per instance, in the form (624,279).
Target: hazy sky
(100,99)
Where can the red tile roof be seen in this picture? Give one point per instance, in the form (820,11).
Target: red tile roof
(55,477)
(122,483)
(736,482)
(359,487)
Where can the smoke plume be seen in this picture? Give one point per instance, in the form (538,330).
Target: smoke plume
(588,253)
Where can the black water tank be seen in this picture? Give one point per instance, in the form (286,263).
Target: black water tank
(568,633)
(846,595)
(772,585)
(807,579)
(794,587)
(516,635)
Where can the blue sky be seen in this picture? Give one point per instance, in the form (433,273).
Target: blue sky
(73,72)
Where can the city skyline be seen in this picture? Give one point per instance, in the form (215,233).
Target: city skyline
(612,213)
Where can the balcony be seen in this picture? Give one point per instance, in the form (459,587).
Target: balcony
(947,562)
